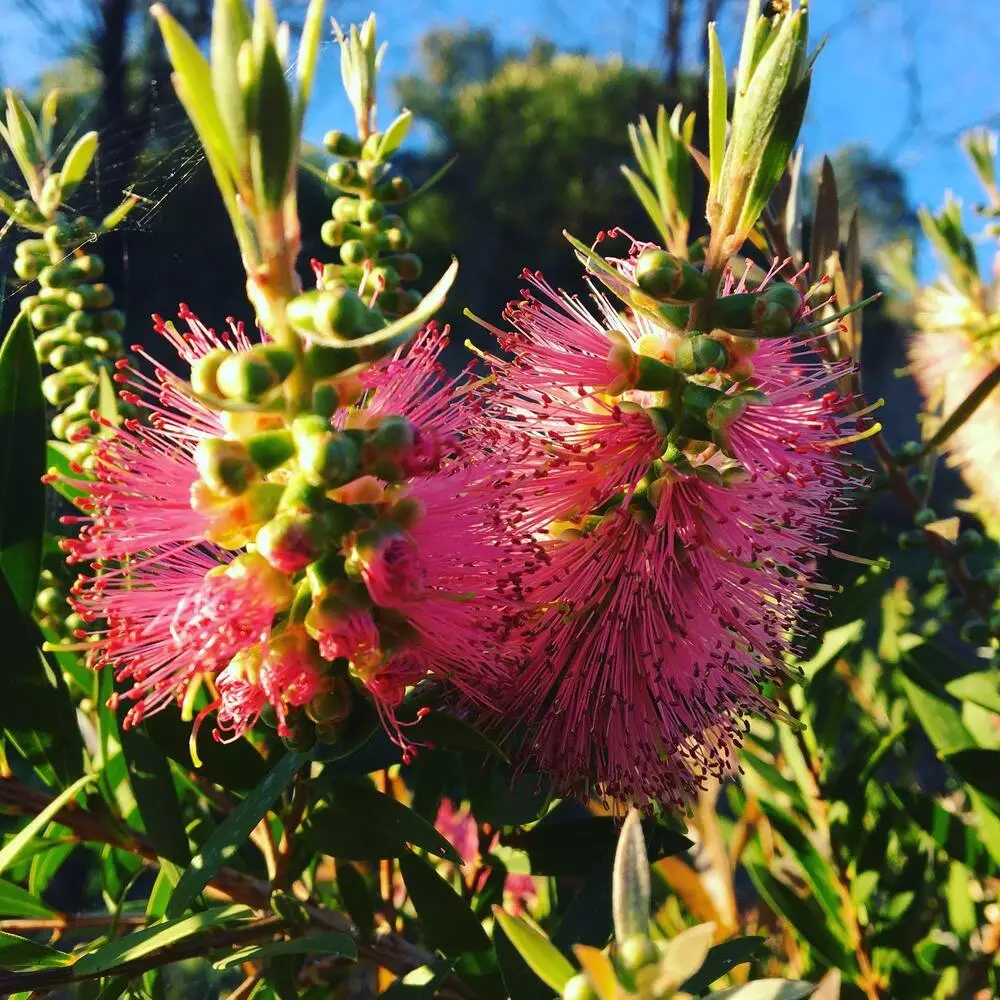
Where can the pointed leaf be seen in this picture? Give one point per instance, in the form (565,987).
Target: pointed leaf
(686,953)
(330,943)
(395,134)
(449,925)
(17,952)
(77,163)
(232,833)
(767,989)
(630,891)
(18,902)
(718,110)
(312,35)
(720,960)
(541,955)
(600,970)
(22,463)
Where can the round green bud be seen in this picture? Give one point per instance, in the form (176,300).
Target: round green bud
(38,249)
(387,276)
(340,144)
(50,601)
(919,481)
(970,540)
(353,252)
(784,295)
(90,297)
(340,312)
(27,212)
(992,576)
(578,988)
(65,355)
(636,952)
(27,268)
(370,211)
(346,209)
(205,369)
(700,353)
(398,239)
(48,316)
(657,273)
(241,377)
(225,465)
(332,706)
(937,574)
(975,632)
(924,517)
(89,267)
(330,232)
(343,175)
(910,539)
(328,459)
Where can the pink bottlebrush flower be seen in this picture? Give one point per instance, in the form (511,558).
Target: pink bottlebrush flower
(671,569)
(947,366)
(458,827)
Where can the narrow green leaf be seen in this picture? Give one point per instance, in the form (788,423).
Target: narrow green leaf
(312,35)
(720,960)
(520,981)
(447,922)
(961,909)
(804,916)
(361,823)
(272,140)
(356,896)
(718,109)
(541,955)
(330,943)
(232,833)
(686,952)
(816,869)
(150,939)
(230,29)
(18,902)
(58,460)
(395,134)
(941,721)
(17,952)
(630,886)
(418,984)
(648,199)
(77,163)
(443,731)
(22,462)
(10,851)
(767,989)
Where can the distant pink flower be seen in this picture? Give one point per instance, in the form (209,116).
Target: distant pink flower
(458,827)
(947,366)
(671,570)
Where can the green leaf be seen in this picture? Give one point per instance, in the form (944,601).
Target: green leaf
(557,846)
(948,831)
(981,688)
(272,142)
(58,460)
(150,939)
(22,462)
(18,902)
(312,35)
(394,135)
(330,943)
(77,163)
(961,909)
(10,851)
(230,29)
(361,823)
(418,984)
(767,989)
(107,399)
(443,731)
(645,195)
(35,708)
(941,720)
(772,780)
(519,980)
(231,834)
(155,794)
(816,869)
(445,918)
(720,960)
(541,955)
(630,885)
(17,952)
(978,767)
(718,110)
(356,896)
(804,916)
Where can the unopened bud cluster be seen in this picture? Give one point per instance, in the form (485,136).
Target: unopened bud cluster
(78,330)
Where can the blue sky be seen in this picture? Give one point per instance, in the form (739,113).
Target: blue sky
(903,76)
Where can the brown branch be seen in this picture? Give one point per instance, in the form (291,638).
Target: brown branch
(388,950)
(196,946)
(70,922)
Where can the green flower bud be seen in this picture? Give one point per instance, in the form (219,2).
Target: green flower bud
(325,400)
(700,353)
(333,705)
(48,316)
(734,313)
(370,211)
(341,313)
(924,517)
(65,355)
(51,601)
(56,276)
(37,249)
(205,369)
(397,239)
(90,297)
(974,632)
(785,295)
(347,209)
(636,952)
(27,213)
(771,319)
(88,267)
(59,387)
(395,189)
(326,457)
(291,540)
(269,449)
(225,465)
(345,176)
(330,232)
(244,378)
(353,252)
(111,321)
(388,277)
(579,988)
(48,342)
(27,268)
(970,540)
(341,144)
(668,278)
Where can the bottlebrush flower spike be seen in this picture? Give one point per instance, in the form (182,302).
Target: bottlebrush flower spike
(948,365)
(678,530)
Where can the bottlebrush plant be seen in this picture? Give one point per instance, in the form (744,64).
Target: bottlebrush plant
(599,668)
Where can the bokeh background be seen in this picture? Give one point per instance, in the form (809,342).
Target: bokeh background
(531,99)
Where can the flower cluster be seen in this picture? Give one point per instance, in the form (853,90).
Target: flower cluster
(281,562)
(679,486)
